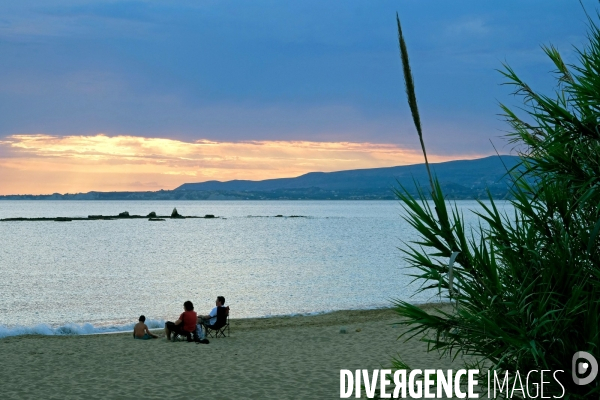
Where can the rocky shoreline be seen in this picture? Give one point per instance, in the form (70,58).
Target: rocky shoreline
(124,215)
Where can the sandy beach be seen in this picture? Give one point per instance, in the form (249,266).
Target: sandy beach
(296,357)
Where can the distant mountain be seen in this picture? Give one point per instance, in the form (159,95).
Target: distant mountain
(465,179)
(460,179)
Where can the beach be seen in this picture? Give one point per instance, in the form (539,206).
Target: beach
(294,357)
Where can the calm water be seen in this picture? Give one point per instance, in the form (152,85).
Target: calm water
(57,276)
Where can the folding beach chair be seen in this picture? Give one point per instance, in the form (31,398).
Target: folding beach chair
(184,336)
(220,327)
(181,334)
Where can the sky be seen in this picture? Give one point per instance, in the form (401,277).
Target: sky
(148,95)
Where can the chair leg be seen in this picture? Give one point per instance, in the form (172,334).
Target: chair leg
(221,332)
(217,333)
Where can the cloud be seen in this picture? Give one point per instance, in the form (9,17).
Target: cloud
(470,26)
(273,71)
(33,21)
(45,163)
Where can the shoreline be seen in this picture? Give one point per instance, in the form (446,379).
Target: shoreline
(263,358)
(70,328)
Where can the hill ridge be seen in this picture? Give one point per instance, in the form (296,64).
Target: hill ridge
(460,179)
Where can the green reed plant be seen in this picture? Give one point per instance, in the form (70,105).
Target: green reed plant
(526,284)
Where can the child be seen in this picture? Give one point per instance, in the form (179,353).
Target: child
(140,330)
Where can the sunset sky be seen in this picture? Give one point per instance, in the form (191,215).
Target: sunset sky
(147,95)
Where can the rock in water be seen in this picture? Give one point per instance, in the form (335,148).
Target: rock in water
(124,214)
(152,215)
(175,213)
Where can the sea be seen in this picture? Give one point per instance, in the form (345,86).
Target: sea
(267,258)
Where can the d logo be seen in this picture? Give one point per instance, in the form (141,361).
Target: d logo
(590,365)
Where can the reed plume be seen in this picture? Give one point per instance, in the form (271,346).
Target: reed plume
(412,98)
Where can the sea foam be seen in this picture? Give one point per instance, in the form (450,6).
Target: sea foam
(73,329)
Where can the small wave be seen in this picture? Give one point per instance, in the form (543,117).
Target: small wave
(280,216)
(72,329)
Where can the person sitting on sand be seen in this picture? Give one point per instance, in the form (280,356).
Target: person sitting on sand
(211,318)
(140,330)
(185,325)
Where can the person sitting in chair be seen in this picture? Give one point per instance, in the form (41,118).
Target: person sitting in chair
(211,319)
(185,325)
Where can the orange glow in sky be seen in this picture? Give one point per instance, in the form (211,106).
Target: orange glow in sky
(41,164)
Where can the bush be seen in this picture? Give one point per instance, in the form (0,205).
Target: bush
(526,285)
